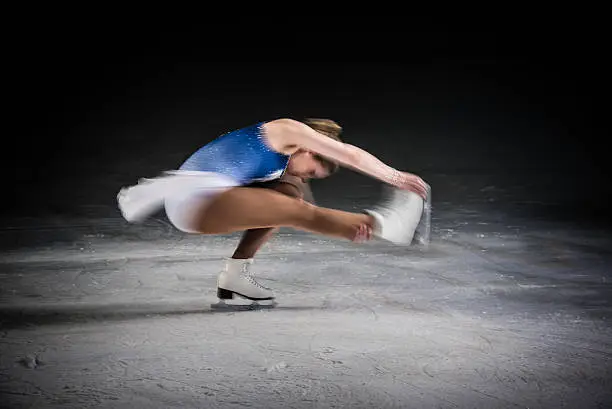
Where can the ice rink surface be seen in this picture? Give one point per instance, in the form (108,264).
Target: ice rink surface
(499,312)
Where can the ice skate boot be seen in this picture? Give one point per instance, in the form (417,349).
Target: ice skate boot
(396,219)
(236,279)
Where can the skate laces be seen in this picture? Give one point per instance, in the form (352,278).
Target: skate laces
(247,275)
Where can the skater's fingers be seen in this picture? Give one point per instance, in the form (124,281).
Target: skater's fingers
(413,188)
(422,184)
(359,234)
(418,185)
(419,190)
(415,184)
(424,187)
(364,233)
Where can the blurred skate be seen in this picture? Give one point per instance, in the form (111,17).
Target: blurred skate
(422,234)
(404,218)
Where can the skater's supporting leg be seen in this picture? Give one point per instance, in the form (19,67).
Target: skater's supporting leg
(253,239)
(244,208)
(236,277)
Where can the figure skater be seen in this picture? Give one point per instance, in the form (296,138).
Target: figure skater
(255,180)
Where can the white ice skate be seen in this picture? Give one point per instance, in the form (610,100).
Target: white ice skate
(236,279)
(397,219)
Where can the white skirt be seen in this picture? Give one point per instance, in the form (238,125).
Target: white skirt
(177,191)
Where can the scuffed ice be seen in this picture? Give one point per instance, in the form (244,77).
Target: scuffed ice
(496,313)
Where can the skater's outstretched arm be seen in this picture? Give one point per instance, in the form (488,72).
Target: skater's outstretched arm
(286,135)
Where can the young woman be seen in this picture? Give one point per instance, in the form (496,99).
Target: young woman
(246,180)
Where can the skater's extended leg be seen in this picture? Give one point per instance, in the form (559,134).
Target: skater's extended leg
(247,208)
(244,208)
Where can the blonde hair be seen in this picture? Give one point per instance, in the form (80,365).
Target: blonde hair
(330,129)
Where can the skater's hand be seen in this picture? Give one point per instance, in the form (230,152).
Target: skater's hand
(364,233)
(408,181)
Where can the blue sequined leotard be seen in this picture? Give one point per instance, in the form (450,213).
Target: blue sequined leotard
(242,154)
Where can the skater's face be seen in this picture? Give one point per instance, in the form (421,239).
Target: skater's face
(305,165)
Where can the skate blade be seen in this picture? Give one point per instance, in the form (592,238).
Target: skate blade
(223,306)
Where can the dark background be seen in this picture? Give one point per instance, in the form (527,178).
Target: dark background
(508,119)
